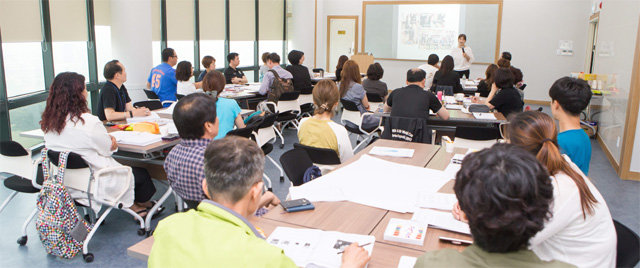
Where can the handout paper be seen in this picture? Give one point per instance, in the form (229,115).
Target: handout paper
(313,246)
(135,137)
(440,220)
(389,151)
(485,116)
(437,201)
(407,262)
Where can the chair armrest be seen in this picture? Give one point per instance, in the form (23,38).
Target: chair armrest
(362,120)
(167,101)
(275,106)
(34,177)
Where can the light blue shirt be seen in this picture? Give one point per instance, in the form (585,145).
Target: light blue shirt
(269,77)
(227,110)
(163,82)
(576,144)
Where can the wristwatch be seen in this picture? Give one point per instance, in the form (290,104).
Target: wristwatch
(131,114)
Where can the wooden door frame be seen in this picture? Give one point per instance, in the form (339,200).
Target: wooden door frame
(632,118)
(329,33)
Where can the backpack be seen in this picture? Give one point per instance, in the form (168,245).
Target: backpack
(278,86)
(61,229)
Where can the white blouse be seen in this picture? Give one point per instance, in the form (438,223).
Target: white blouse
(91,141)
(460,63)
(186,88)
(569,237)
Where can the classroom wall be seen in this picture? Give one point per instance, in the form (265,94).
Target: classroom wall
(531,30)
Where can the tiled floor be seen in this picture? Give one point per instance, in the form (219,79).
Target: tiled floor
(119,232)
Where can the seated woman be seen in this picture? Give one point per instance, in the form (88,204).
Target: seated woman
(580,231)
(184,72)
(319,131)
(373,84)
(447,77)
(301,77)
(352,90)
(484,86)
(341,60)
(68,125)
(508,99)
(227,110)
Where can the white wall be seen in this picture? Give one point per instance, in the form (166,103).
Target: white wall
(131,39)
(531,30)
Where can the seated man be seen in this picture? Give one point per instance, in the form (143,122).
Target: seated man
(505,194)
(569,97)
(197,124)
(232,74)
(114,102)
(413,101)
(217,233)
(273,62)
(162,78)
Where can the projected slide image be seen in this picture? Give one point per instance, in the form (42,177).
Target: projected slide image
(427,29)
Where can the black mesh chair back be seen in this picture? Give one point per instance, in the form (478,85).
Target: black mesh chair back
(307,90)
(241,132)
(12,148)
(150,104)
(374,97)
(446,90)
(479,108)
(74,161)
(628,246)
(295,163)
(151,95)
(268,120)
(349,105)
(478,133)
(179,96)
(289,96)
(320,156)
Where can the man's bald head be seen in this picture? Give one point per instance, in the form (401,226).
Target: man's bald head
(416,76)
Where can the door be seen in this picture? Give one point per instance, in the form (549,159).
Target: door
(342,39)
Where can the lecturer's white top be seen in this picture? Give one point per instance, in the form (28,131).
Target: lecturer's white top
(460,63)
(91,141)
(570,238)
(431,71)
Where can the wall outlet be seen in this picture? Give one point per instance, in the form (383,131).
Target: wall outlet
(618,142)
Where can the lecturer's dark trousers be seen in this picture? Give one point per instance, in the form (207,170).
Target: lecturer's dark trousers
(463,73)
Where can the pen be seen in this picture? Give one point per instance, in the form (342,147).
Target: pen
(363,245)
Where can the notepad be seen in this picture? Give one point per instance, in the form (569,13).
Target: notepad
(485,116)
(437,201)
(405,231)
(393,152)
(440,220)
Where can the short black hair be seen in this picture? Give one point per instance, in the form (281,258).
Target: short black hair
(572,94)
(375,71)
(274,57)
(506,195)
(463,36)
(183,71)
(433,59)
(232,165)
(294,57)
(231,56)
(506,55)
(416,75)
(503,78)
(517,74)
(111,69)
(191,112)
(167,53)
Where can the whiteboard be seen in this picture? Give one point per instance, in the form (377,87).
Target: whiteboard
(412,31)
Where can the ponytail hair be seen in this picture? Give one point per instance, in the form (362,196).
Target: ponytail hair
(536,132)
(325,96)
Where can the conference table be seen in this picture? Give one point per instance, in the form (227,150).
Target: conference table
(355,218)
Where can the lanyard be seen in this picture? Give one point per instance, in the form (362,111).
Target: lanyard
(119,97)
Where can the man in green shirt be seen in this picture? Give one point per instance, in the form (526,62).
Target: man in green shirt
(217,233)
(505,195)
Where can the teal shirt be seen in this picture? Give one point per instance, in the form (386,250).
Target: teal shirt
(226,110)
(576,144)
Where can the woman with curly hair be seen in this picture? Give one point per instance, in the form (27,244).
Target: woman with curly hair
(506,196)
(68,125)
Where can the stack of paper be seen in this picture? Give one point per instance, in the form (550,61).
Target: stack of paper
(308,247)
(393,152)
(135,137)
(485,116)
(149,118)
(407,262)
(374,182)
(437,201)
(440,220)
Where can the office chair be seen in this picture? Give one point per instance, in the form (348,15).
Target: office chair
(628,253)
(295,163)
(320,156)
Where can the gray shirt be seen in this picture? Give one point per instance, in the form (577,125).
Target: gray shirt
(375,86)
(268,78)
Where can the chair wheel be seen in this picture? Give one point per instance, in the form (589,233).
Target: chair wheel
(270,189)
(22,240)
(88,257)
(149,233)
(141,232)
(281,146)
(281,178)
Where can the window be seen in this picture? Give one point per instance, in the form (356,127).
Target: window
(212,31)
(24,119)
(69,36)
(271,28)
(242,30)
(21,49)
(181,28)
(102,13)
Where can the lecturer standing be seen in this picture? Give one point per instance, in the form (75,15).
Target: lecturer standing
(462,57)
